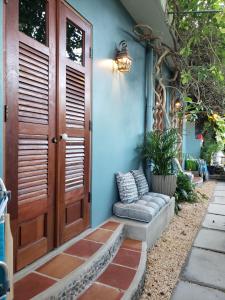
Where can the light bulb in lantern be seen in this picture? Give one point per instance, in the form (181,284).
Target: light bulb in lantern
(123,60)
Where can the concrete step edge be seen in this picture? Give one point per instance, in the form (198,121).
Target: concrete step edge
(136,287)
(76,282)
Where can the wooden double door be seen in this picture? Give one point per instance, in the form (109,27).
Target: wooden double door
(47,132)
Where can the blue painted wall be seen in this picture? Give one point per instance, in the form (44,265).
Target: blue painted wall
(191,146)
(1,90)
(117,102)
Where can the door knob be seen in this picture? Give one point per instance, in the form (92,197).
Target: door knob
(64,136)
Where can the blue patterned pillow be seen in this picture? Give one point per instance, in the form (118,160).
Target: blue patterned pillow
(141,182)
(127,187)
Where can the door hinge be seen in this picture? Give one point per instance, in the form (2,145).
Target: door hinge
(90,125)
(6,113)
(89,197)
(91,52)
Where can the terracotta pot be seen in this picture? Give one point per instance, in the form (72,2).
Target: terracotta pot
(164,184)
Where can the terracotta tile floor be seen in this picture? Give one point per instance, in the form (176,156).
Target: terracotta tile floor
(110,225)
(111,284)
(60,266)
(99,235)
(127,258)
(132,245)
(30,286)
(117,276)
(84,248)
(99,291)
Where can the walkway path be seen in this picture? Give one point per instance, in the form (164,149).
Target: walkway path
(203,276)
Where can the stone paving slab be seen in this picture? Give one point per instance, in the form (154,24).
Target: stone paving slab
(218,200)
(216,209)
(210,239)
(214,222)
(219,183)
(220,188)
(190,291)
(219,193)
(203,276)
(206,268)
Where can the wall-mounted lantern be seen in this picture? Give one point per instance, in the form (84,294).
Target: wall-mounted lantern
(122,59)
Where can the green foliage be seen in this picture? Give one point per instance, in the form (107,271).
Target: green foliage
(160,148)
(185,189)
(214,137)
(32,19)
(201,47)
(208,149)
(191,165)
(218,124)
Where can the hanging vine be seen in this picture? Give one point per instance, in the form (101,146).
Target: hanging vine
(198,55)
(199,27)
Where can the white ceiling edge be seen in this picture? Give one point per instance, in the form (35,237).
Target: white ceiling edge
(150,12)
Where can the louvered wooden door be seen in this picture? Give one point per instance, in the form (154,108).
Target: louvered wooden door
(47,94)
(74,115)
(30,153)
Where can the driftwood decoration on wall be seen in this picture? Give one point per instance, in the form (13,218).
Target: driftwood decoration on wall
(158,115)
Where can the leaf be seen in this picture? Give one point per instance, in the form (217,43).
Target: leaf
(188,100)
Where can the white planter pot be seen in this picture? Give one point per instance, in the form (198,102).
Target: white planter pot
(164,184)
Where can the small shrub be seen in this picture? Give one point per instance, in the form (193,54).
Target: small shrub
(186,192)
(191,165)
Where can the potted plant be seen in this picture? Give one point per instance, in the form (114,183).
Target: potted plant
(160,148)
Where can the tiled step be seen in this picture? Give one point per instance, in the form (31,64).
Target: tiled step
(68,273)
(198,180)
(124,276)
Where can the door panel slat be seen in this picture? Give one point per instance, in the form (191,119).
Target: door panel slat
(75,90)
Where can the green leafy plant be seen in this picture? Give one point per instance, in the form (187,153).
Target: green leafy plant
(185,189)
(218,124)
(214,137)
(186,192)
(208,149)
(200,54)
(191,165)
(160,147)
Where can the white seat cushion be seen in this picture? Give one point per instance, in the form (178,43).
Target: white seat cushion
(149,204)
(164,197)
(139,211)
(159,201)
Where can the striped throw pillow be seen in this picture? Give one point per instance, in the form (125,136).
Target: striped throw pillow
(141,182)
(127,187)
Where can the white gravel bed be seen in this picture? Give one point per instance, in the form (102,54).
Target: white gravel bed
(166,258)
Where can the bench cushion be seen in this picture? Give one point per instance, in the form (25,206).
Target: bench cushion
(138,211)
(150,204)
(141,182)
(127,187)
(159,201)
(166,198)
